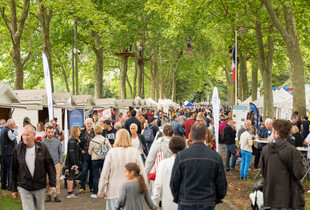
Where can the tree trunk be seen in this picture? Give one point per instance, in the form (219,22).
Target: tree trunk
(16,28)
(244,77)
(230,86)
(155,79)
(45,17)
(97,48)
(134,91)
(254,81)
(290,37)
(265,66)
(161,94)
(76,74)
(123,77)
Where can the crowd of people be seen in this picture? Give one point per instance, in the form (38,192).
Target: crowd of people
(168,160)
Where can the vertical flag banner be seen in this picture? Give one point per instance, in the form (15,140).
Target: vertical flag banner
(233,64)
(216,114)
(48,87)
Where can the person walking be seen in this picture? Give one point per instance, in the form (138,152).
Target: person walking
(150,132)
(282,169)
(198,178)
(8,135)
(229,135)
(73,159)
(138,141)
(134,192)
(55,150)
(188,124)
(112,178)
(97,159)
(109,132)
(31,163)
(178,130)
(246,142)
(86,136)
(161,190)
(131,120)
(160,144)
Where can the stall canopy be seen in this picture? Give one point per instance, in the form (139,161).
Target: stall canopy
(188,104)
(125,103)
(152,103)
(105,103)
(8,97)
(32,99)
(64,100)
(84,101)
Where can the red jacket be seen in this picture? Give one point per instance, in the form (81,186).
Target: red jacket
(187,126)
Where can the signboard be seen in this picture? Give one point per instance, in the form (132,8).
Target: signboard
(239,115)
(76,118)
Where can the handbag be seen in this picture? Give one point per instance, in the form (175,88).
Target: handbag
(159,157)
(238,154)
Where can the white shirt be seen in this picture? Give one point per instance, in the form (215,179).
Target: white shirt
(137,145)
(30,158)
(38,133)
(161,191)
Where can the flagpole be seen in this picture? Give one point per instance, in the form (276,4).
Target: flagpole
(236,71)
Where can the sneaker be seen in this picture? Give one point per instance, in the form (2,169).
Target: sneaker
(57,199)
(48,198)
(73,195)
(308,191)
(227,169)
(62,177)
(94,196)
(257,169)
(233,170)
(82,191)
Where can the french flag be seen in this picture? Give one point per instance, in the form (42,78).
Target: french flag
(233,64)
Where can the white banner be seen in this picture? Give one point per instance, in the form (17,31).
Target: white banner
(48,87)
(216,114)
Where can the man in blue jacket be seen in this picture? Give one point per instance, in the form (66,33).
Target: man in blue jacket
(198,178)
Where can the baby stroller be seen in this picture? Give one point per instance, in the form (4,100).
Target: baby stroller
(256,197)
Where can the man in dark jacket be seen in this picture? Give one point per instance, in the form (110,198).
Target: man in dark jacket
(198,176)
(131,120)
(86,136)
(8,135)
(30,164)
(229,134)
(282,169)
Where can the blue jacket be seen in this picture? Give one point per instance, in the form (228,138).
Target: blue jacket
(198,176)
(178,129)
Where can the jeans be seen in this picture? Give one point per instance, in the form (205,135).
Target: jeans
(230,151)
(256,153)
(96,167)
(32,200)
(245,164)
(86,165)
(5,171)
(195,207)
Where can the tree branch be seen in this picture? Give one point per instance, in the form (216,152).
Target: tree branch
(147,77)
(30,49)
(275,20)
(7,22)
(23,18)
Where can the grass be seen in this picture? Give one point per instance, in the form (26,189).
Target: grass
(7,202)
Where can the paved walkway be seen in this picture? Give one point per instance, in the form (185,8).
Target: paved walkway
(84,202)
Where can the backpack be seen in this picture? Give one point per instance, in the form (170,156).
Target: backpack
(103,150)
(149,134)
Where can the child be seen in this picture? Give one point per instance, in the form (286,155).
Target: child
(134,192)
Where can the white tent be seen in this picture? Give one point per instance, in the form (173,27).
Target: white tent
(152,103)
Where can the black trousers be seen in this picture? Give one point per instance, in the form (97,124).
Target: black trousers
(256,153)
